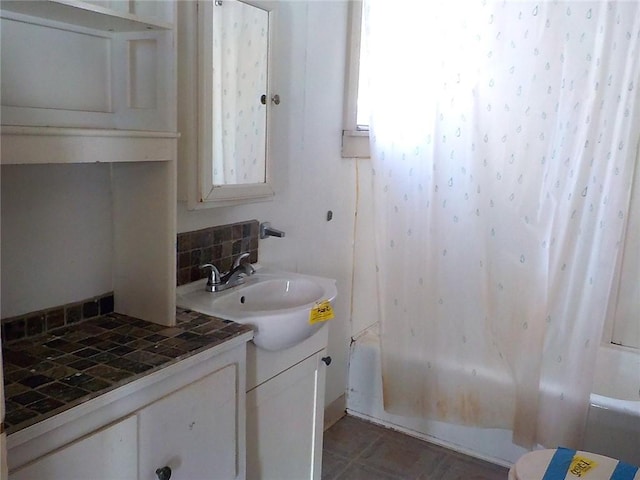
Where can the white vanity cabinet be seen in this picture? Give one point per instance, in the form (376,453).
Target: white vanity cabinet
(285,410)
(187,419)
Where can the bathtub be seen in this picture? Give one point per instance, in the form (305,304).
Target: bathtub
(613,425)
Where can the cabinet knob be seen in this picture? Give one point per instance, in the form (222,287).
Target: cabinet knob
(163,473)
(326,360)
(275,99)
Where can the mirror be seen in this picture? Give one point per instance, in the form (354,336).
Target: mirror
(240,53)
(233,102)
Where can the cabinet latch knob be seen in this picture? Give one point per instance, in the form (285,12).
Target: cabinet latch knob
(275,99)
(326,360)
(164,473)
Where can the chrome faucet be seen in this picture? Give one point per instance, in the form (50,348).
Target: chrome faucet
(238,271)
(213,281)
(218,282)
(266,230)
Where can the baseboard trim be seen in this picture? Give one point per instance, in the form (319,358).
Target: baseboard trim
(335,411)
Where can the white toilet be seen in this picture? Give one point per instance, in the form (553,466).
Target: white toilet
(565,464)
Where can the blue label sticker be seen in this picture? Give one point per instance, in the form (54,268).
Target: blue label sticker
(559,464)
(624,471)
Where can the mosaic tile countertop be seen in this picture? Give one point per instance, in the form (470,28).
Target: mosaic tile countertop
(56,371)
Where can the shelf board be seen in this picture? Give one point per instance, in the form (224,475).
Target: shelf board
(83,14)
(22,145)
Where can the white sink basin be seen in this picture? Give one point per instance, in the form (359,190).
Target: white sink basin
(276,304)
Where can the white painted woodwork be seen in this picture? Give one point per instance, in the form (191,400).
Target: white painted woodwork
(56,221)
(86,14)
(86,58)
(41,145)
(285,410)
(64,65)
(143,60)
(108,453)
(193,431)
(208,388)
(129,209)
(263,365)
(144,265)
(285,422)
(95,82)
(195,80)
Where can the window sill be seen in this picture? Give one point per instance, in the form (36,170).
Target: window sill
(355,144)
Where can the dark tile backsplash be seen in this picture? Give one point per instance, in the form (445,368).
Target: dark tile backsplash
(36,323)
(217,245)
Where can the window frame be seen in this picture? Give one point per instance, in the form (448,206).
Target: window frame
(355,141)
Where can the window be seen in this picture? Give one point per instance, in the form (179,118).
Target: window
(355,136)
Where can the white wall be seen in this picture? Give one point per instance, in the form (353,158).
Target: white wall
(310,176)
(57,239)
(365,306)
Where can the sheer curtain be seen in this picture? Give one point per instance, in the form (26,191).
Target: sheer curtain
(504,137)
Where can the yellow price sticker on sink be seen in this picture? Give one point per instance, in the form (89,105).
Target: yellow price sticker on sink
(321,312)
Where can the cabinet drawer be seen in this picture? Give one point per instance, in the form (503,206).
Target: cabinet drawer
(108,453)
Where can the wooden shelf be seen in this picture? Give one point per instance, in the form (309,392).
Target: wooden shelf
(84,14)
(45,145)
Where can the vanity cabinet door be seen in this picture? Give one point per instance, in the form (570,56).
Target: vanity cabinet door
(108,453)
(193,431)
(285,417)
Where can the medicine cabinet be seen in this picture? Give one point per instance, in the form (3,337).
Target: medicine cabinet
(224,101)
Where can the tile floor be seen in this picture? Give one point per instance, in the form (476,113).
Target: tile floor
(358,450)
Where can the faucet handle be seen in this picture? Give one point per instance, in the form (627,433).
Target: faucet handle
(266,230)
(239,266)
(214,275)
(239,258)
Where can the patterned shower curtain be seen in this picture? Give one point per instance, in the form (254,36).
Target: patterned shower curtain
(504,137)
